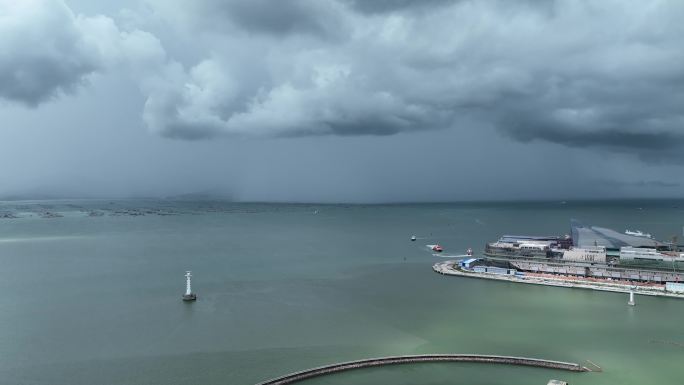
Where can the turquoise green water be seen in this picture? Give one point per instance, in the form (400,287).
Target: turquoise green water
(96,300)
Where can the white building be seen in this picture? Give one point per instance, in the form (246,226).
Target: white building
(590,254)
(674,287)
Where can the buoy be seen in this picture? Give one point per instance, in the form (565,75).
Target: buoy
(189,295)
(631,299)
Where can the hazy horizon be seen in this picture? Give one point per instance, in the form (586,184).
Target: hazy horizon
(201,197)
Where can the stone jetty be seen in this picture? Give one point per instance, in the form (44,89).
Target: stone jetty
(394,360)
(451,268)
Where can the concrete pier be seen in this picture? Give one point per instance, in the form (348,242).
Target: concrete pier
(451,268)
(394,360)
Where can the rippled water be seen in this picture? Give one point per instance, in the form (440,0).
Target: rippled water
(96,299)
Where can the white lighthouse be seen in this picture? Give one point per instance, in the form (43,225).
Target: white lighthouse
(189,295)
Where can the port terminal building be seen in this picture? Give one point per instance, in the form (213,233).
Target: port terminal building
(588,236)
(590,251)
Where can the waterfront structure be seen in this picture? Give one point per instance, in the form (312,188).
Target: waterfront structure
(675,287)
(591,254)
(566,281)
(412,359)
(189,295)
(506,247)
(598,271)
(644,253)
(589,244)
(469,263)
(563,242)
(633,242)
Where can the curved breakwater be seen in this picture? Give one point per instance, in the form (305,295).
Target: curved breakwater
(394,360)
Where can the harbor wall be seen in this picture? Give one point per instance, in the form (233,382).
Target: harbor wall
(599,271)
(450,268)
(394,360)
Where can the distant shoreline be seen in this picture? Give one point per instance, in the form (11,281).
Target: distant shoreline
(228,199)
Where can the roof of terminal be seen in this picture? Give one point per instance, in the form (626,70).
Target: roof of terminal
(584,236)
(531,237)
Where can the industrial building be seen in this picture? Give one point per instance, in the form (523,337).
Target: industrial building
(590,251)
(600,271)
(675,287)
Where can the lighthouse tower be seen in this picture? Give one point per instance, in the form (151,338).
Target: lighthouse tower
(189,295)
(631,299)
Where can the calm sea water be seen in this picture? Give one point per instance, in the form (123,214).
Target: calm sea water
(96,299)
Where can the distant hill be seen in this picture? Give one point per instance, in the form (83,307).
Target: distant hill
(201,196)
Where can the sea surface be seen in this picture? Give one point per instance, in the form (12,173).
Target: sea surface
(90,293)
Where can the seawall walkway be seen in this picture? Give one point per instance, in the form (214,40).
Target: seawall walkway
(371,362)
(450,268)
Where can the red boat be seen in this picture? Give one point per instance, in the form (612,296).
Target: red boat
(437,248)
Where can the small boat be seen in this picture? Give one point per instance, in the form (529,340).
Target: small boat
(413,238)
(638,233)
(436,248)
(469,252)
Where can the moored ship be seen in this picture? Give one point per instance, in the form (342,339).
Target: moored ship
(638,233)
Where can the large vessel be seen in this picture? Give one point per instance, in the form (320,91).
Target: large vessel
(638,233)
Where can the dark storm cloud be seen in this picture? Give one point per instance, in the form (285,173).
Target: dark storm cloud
(553,132)
(307,17)
(380,6)
(573,73)
(580,74)
(43,52)
(39,78)
(652,133)
(47,50)
(658,184)
(642,117)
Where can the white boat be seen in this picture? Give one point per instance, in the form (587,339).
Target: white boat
(638,233)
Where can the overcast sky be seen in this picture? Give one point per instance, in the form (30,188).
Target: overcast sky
(342,100)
